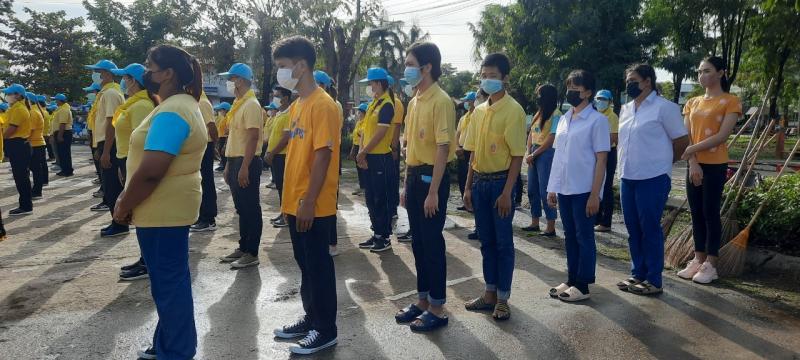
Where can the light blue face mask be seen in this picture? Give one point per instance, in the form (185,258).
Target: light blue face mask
(601,105)
(413,76)
(466,106)
(96,78)
(123,86)
(491,86)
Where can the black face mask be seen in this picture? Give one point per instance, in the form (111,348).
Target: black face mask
(574,97)
(149,84)
(633,89)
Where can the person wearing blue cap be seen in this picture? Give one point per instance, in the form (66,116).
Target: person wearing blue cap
(243,170)
(468,101)
(277,142)
(62,124)
(358,129)
(41,101)
(17,147)
(92,99)
(396,129)
(603,102)
(326,82)
(38,165)
(222,121)
(207,219)
(374,155)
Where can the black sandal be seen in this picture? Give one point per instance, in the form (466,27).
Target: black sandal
(408,314)
(532,229)
(478,304)
(501,311)
(429,322)
(548,234)
(625,284)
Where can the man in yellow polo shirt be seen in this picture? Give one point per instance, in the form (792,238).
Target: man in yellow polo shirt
(62,135)
(497,139)
(17,147)
(38,149)
(277,143)
(222,131)
(431,135)
(244,165)
(92,95)
(206,221)
(310,192)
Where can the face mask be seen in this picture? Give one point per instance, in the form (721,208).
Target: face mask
(123,86)
(601,105)
(574,97)
(149,84)
(91,97)
(286,80)
(370,91)
(413,76)
(277,101)
(633,89)
(491,86)
(231,86)
(479,101)
(408,90)
(466,106)
(96,78)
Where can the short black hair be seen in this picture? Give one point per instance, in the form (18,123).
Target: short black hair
(284,92)
(644,71)
(428,53)
(582,78)
(498,60)
(296,48)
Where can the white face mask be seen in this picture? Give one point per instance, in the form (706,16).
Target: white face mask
(409,90)
(231,87)
(285,79)
(370,91)
(96,78)
(277,101)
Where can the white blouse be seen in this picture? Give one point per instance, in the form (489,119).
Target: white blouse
(578,140)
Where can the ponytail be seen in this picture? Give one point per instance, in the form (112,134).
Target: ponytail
(186,67)
(195,87)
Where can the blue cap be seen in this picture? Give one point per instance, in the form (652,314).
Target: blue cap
(135,70)
(375,74)
(3,106)
(363,107)
(52,107)
(93,87)
(390,80)
(107,65)
(60,97)
(30,96)
(604,94)
(323,78)
(271,106)
(41,98)
(14,89)
(470,96)
(241,70)
(223,106)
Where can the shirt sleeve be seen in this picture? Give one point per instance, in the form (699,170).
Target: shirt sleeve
(687,109)
(207,111)
(110,104)
(469,137)
(325,126)
(386,115)
(734,106)
(444,122)
(515,134)
(672,121)
(18,116)
(601,142)
(398,112)
(613,123)
(554,123)
(167,133)
(251,113)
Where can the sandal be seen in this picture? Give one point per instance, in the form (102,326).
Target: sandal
(478,304)
(558,290)
(408,314)
(429,322)
(572,295)
(644,288)
(501,311)
(548,234)
(625,284)
(531,229)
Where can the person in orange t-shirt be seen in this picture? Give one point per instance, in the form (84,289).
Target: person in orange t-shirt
(710,119)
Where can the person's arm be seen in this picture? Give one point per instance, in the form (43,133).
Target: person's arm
(503,202)
(105,157)
(212,132)
(283,143)
(61,129)
(249,154)
(143,182)
(439,165)
(593,205)
(679,146)
(9,131)
(319,171)
(468,185)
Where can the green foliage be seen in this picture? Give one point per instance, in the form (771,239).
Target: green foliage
(219,34)
(779,224)
(458,83)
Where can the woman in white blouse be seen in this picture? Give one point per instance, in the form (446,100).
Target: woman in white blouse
(576,182)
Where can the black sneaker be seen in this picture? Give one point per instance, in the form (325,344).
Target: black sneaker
(147,354)
(18,212)
(96,181)
(138,263)
(473,235)
(114,231)
(381,245)
(37,196)
(99,207)
(219,169)
(134,274)
(298,329)
(280,223)
(202,226)
(97,194)
(367,244)
(312,343)
(405,237)
(280,216)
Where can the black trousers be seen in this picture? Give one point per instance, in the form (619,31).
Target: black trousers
(38,167)
(277,169)
(518,195)
(112,185)
(19,154)
(247,202)
(208,205)
(317,273)
(377,193)
(705,202)
(51,154)
(394,186)
(607,205)
(463,169)
(427,241)
(221,149)
(64,151)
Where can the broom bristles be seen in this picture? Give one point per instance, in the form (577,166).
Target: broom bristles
(733,255)
(675,248)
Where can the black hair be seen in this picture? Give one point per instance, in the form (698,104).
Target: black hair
(582,78)
(428,53)
(26,101)
(296,48)
(498,60)
(385,86)
(548,102)
(719,64)
(284,92)
(186,67)
(333,92)
(644,71)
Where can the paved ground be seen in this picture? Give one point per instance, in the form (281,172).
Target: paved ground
(60,297)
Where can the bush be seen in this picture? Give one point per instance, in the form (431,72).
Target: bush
(778,227)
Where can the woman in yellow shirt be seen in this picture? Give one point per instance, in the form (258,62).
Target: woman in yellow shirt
(540,158)
(17,147)
(38,165)
(358,129)
(710,119)
(222,128)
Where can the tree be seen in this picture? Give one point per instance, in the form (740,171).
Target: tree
(457,83)
(776,35)
(216,32)
(273,19)
(729,21)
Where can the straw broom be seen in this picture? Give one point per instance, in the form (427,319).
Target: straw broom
(732,256)
(669,220)
(675,249)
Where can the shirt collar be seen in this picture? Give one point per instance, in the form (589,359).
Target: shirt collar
(583,114)
(499,104)
(433,89)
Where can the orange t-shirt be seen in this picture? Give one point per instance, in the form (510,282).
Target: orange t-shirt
(705,119)
(314,124)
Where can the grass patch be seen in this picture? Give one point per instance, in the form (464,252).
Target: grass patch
(774,288)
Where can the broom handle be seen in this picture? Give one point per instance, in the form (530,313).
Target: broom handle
(760,146)
(780,173)
(756,114)
(750,149)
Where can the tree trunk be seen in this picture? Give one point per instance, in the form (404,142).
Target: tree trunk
(677,83)
(783,54)
(266,54)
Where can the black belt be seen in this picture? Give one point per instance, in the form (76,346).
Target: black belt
(421,170)
(490,176)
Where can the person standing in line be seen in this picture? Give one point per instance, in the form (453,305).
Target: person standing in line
(310,194)
(3,121)
(496,139)
(62,135)
(38,149)
(358,129)
(277,145)
(17,147)
(162,195)
(94,90)
(469,101)
(431,135)
(602,103)
(41,100)
(396,129)
(51,129)
(710,119)
(207,220)
(651,132)
(576,181)
(243,168)
(540,158)
(271,111)
(222,121)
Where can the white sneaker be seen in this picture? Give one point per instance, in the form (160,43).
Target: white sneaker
(333,250)
(691,269)
(706,275)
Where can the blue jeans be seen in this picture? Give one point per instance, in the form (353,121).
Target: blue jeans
(166,252)
(496,235)
(643,202)
(538,177)
(377,193)
(579,239)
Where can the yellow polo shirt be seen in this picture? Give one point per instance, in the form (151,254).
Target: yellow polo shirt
(496,134)
(248,116)
(357,130)
(222,125)
(207,111)
(430,122)
(176,199)
(128,121)
(36,137)
(109,99)
(463,124)
(315,124)
(19,116)
(372,123)
(48,122)
(613,120)
(63,115)
(268,127)
(280,125)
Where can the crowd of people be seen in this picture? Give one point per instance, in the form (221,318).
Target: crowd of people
(155,136)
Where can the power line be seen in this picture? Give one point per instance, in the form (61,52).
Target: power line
(434,7)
